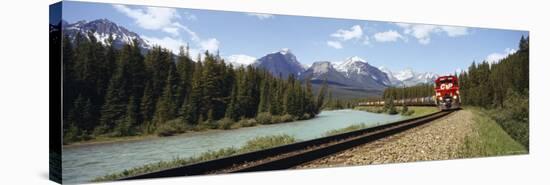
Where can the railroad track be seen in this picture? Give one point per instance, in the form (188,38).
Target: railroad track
(291,155)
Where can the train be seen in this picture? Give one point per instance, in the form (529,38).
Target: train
(446,97)
(420,101)
(447,93)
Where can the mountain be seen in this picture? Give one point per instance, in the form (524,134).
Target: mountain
(363,74)
(101,29)
(393,80)
(240,60)
(319,71)
(352,77)
(408,77)
(281,63)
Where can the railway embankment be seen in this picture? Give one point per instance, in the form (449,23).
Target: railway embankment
(458,135)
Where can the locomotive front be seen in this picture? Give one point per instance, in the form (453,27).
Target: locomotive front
(447,93)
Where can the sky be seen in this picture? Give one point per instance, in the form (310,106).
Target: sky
(395,46)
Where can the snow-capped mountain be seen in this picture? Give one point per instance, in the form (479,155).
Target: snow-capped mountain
(359,70)
(101,29)
(393,80)
(408,77)
(352,75)
(240,60)
(280,63)
(324,70)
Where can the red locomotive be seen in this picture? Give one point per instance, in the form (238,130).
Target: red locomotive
(447,94)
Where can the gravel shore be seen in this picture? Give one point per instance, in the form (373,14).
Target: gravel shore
(439,140)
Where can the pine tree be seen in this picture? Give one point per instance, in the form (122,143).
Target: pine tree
(309,103)
(166,106)
(263,105)
(147,105)
(184,67)
(191,109)
(80,116)
(124,127)
(69,85)
(117,96)
(232,108)
(320,102)
(212,85)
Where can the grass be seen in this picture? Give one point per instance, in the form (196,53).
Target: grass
(488,138)
(346,129)
(419,111)
(413,110)
(255,144)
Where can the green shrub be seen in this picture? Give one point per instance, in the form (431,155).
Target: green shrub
(247,122)
(276,119)
(287,118)
(305,116)
(266,142)
(392,110)
(225,123)
(264,118)
(404,110)
(123,128)
(407,113)
(71,135)
(172,127)
(513,117)
(346,129)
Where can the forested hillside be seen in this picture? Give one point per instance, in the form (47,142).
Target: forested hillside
(502,87)
(121,92)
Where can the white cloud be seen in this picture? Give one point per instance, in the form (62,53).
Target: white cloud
(422,32)
(190,16)
(355,32)
(366,41)
(261,16)
(334,44)
(388,36)
(453,31)
(495,57)
(166,42)
(153,18)
(166,20)
(211,45)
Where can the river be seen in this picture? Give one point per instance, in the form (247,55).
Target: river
(86,162)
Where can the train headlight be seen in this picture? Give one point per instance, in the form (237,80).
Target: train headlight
(455,97)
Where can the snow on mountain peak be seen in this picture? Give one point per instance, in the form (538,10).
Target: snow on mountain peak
(405,74)
(103,28)
(409,77)
(356,59)
(240,60)
(284,51)
(351,64)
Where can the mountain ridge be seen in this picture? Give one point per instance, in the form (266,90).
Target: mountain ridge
(352,74)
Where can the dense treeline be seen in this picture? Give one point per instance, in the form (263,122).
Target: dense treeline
(502,87)
(417,91)
(119,92)
(489,85)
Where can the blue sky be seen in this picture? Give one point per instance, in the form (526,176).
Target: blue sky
(396,46)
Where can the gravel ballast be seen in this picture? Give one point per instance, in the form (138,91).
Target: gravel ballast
(438,140)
